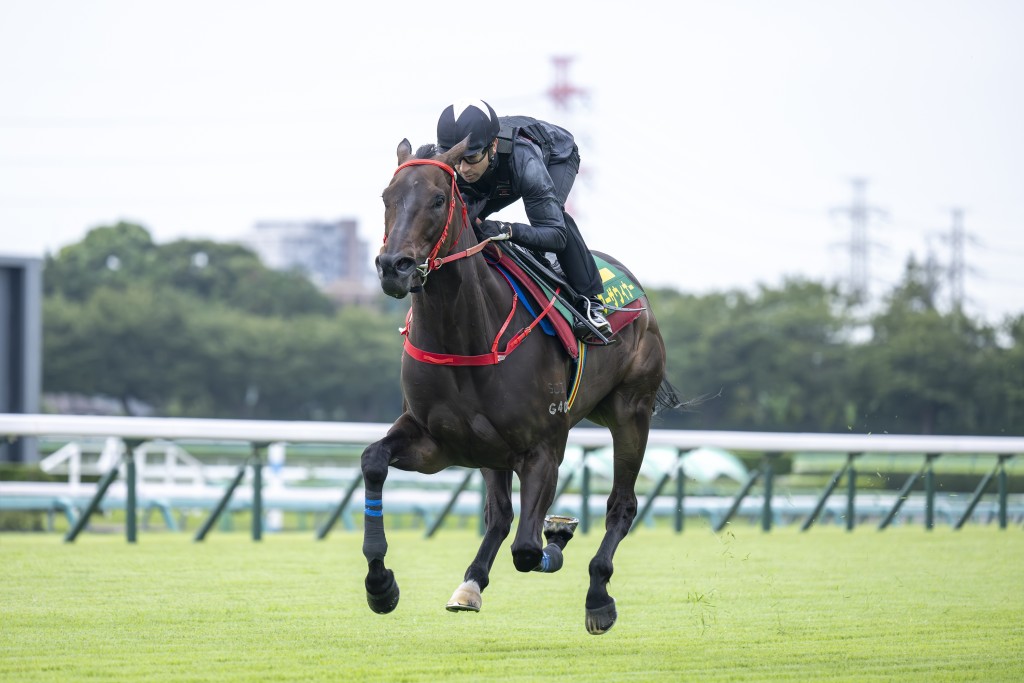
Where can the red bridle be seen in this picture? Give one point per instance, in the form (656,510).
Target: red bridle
(433,262)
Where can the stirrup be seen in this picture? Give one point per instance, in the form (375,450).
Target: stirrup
(590,335)
(596,317)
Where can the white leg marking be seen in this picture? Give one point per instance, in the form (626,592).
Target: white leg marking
(466,598)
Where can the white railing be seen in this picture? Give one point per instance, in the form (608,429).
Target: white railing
(265,431)
(666,451)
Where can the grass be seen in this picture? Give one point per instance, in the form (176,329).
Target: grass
(906,605)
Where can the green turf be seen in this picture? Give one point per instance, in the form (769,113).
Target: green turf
(900,605)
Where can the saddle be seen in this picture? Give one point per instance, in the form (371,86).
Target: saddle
(537,283)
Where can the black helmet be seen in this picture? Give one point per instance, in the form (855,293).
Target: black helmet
(472,118)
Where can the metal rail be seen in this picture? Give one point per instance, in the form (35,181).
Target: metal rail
(135,431)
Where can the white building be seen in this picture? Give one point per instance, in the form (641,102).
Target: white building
(330,253)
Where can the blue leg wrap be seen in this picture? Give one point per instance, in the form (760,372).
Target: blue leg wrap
(375,545)
(551,561)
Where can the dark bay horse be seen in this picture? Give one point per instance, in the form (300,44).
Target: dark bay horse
(493,411)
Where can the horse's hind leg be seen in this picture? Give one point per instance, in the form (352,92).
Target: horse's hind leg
(630,442)
(498,522)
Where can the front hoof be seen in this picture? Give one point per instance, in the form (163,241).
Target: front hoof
(386,600)
(466,598)
(600,620)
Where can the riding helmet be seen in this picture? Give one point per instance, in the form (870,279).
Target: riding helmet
(467,118)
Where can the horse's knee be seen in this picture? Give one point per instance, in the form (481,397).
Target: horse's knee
(526,559)
(374,464)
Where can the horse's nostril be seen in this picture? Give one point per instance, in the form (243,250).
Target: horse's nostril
(405,265)
(400,266)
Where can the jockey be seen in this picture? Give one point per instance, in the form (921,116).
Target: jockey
(518,157)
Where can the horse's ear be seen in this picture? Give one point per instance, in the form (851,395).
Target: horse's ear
(452,156)
(404,151)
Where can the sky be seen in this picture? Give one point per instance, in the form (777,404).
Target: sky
(719,139)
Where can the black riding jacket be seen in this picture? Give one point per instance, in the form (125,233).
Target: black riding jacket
(526,148)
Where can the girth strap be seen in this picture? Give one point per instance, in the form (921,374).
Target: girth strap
(492,358)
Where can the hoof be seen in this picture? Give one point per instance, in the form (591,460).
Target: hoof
(385,601)
(600,620)
(466,598)
(559,529)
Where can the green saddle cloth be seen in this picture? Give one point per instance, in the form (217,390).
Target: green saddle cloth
(619,288)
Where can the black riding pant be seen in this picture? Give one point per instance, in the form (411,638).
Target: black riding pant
(575,259)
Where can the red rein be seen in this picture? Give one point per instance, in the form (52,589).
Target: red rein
(433,263)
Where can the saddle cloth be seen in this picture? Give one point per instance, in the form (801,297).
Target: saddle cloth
(619,291)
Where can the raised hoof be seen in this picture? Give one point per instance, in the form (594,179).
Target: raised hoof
(600,620)
(466,598)
(557,526)
(386,601)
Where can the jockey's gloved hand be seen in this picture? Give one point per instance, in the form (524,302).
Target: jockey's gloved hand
(496,230)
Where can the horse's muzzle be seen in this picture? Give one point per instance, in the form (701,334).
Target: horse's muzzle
(396,273)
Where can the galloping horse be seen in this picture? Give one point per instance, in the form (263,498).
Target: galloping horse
(492,411)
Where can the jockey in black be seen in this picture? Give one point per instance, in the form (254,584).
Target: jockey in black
(518,157)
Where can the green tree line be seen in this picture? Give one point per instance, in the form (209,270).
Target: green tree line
(202,329)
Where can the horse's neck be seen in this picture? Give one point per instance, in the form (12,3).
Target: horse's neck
(462,307)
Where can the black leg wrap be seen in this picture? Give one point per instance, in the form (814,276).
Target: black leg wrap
(375,544)
(551,561)
(387,599)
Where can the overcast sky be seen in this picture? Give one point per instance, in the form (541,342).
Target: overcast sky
(719,139)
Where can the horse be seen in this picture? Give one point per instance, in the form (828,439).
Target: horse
(493,411)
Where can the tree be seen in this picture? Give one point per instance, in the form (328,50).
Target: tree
(774,355)
(919,371)
(114,256)
(124,255)
(122,343)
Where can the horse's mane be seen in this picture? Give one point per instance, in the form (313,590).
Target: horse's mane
(426,152)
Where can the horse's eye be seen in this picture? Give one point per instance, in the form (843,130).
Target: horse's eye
(438,201)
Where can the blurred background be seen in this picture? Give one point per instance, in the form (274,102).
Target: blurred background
(823,198)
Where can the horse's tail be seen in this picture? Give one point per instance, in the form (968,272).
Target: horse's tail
(667,398)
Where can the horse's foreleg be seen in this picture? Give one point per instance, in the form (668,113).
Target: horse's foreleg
(538,480)
(408,447)
(381,587)
(498,522)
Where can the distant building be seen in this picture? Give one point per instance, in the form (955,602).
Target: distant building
(330,254)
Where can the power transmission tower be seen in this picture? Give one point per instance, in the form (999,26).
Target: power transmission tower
(932,274)
(564,94)
(859,214)
(957,237)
